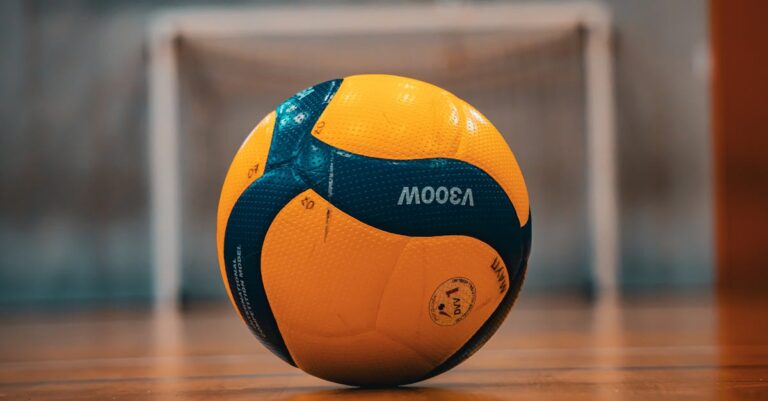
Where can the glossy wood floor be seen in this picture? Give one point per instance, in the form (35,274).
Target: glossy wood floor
(648,348)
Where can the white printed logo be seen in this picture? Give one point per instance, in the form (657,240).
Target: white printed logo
(441,195)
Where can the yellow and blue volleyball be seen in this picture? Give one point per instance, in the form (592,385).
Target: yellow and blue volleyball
(374,230)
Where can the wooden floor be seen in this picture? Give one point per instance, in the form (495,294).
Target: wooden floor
(661,347)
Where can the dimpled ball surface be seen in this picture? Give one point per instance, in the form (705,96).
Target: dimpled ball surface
(373,230)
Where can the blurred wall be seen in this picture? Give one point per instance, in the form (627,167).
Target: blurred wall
(740,122)
(662,70)
(73,177)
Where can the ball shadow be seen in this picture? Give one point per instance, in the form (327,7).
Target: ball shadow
(393,394)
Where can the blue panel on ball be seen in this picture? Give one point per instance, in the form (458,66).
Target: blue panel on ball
(295,118)
(424,197)
(258,205)
(247,226)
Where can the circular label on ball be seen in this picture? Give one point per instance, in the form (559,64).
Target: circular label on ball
(452,301)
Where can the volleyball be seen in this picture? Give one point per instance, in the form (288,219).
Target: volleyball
(374,230)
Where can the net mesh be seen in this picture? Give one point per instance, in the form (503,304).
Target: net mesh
(530,84)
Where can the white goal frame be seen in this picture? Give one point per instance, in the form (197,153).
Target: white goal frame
(221,22)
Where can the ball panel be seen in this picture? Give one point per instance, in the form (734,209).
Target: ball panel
(393,117)
(422,305)
(496,319)
(324,273)
(247,167)
(353,302)
(243,229)
(295,118)
(424,197)
(388,362)
(246,228)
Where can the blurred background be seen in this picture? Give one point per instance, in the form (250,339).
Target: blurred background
(74,159)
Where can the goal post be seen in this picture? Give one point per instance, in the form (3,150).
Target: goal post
(168,28)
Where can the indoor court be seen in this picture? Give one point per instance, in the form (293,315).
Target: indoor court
(339,173)
(648,347)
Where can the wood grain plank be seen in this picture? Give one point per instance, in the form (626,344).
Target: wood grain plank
(671,347)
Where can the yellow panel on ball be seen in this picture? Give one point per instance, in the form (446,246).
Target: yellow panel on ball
(356,304)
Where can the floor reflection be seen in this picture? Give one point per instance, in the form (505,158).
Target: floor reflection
(607,333)
(743,346)
(167,349)
(394,394)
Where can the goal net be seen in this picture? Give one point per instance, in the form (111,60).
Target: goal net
(525,67)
